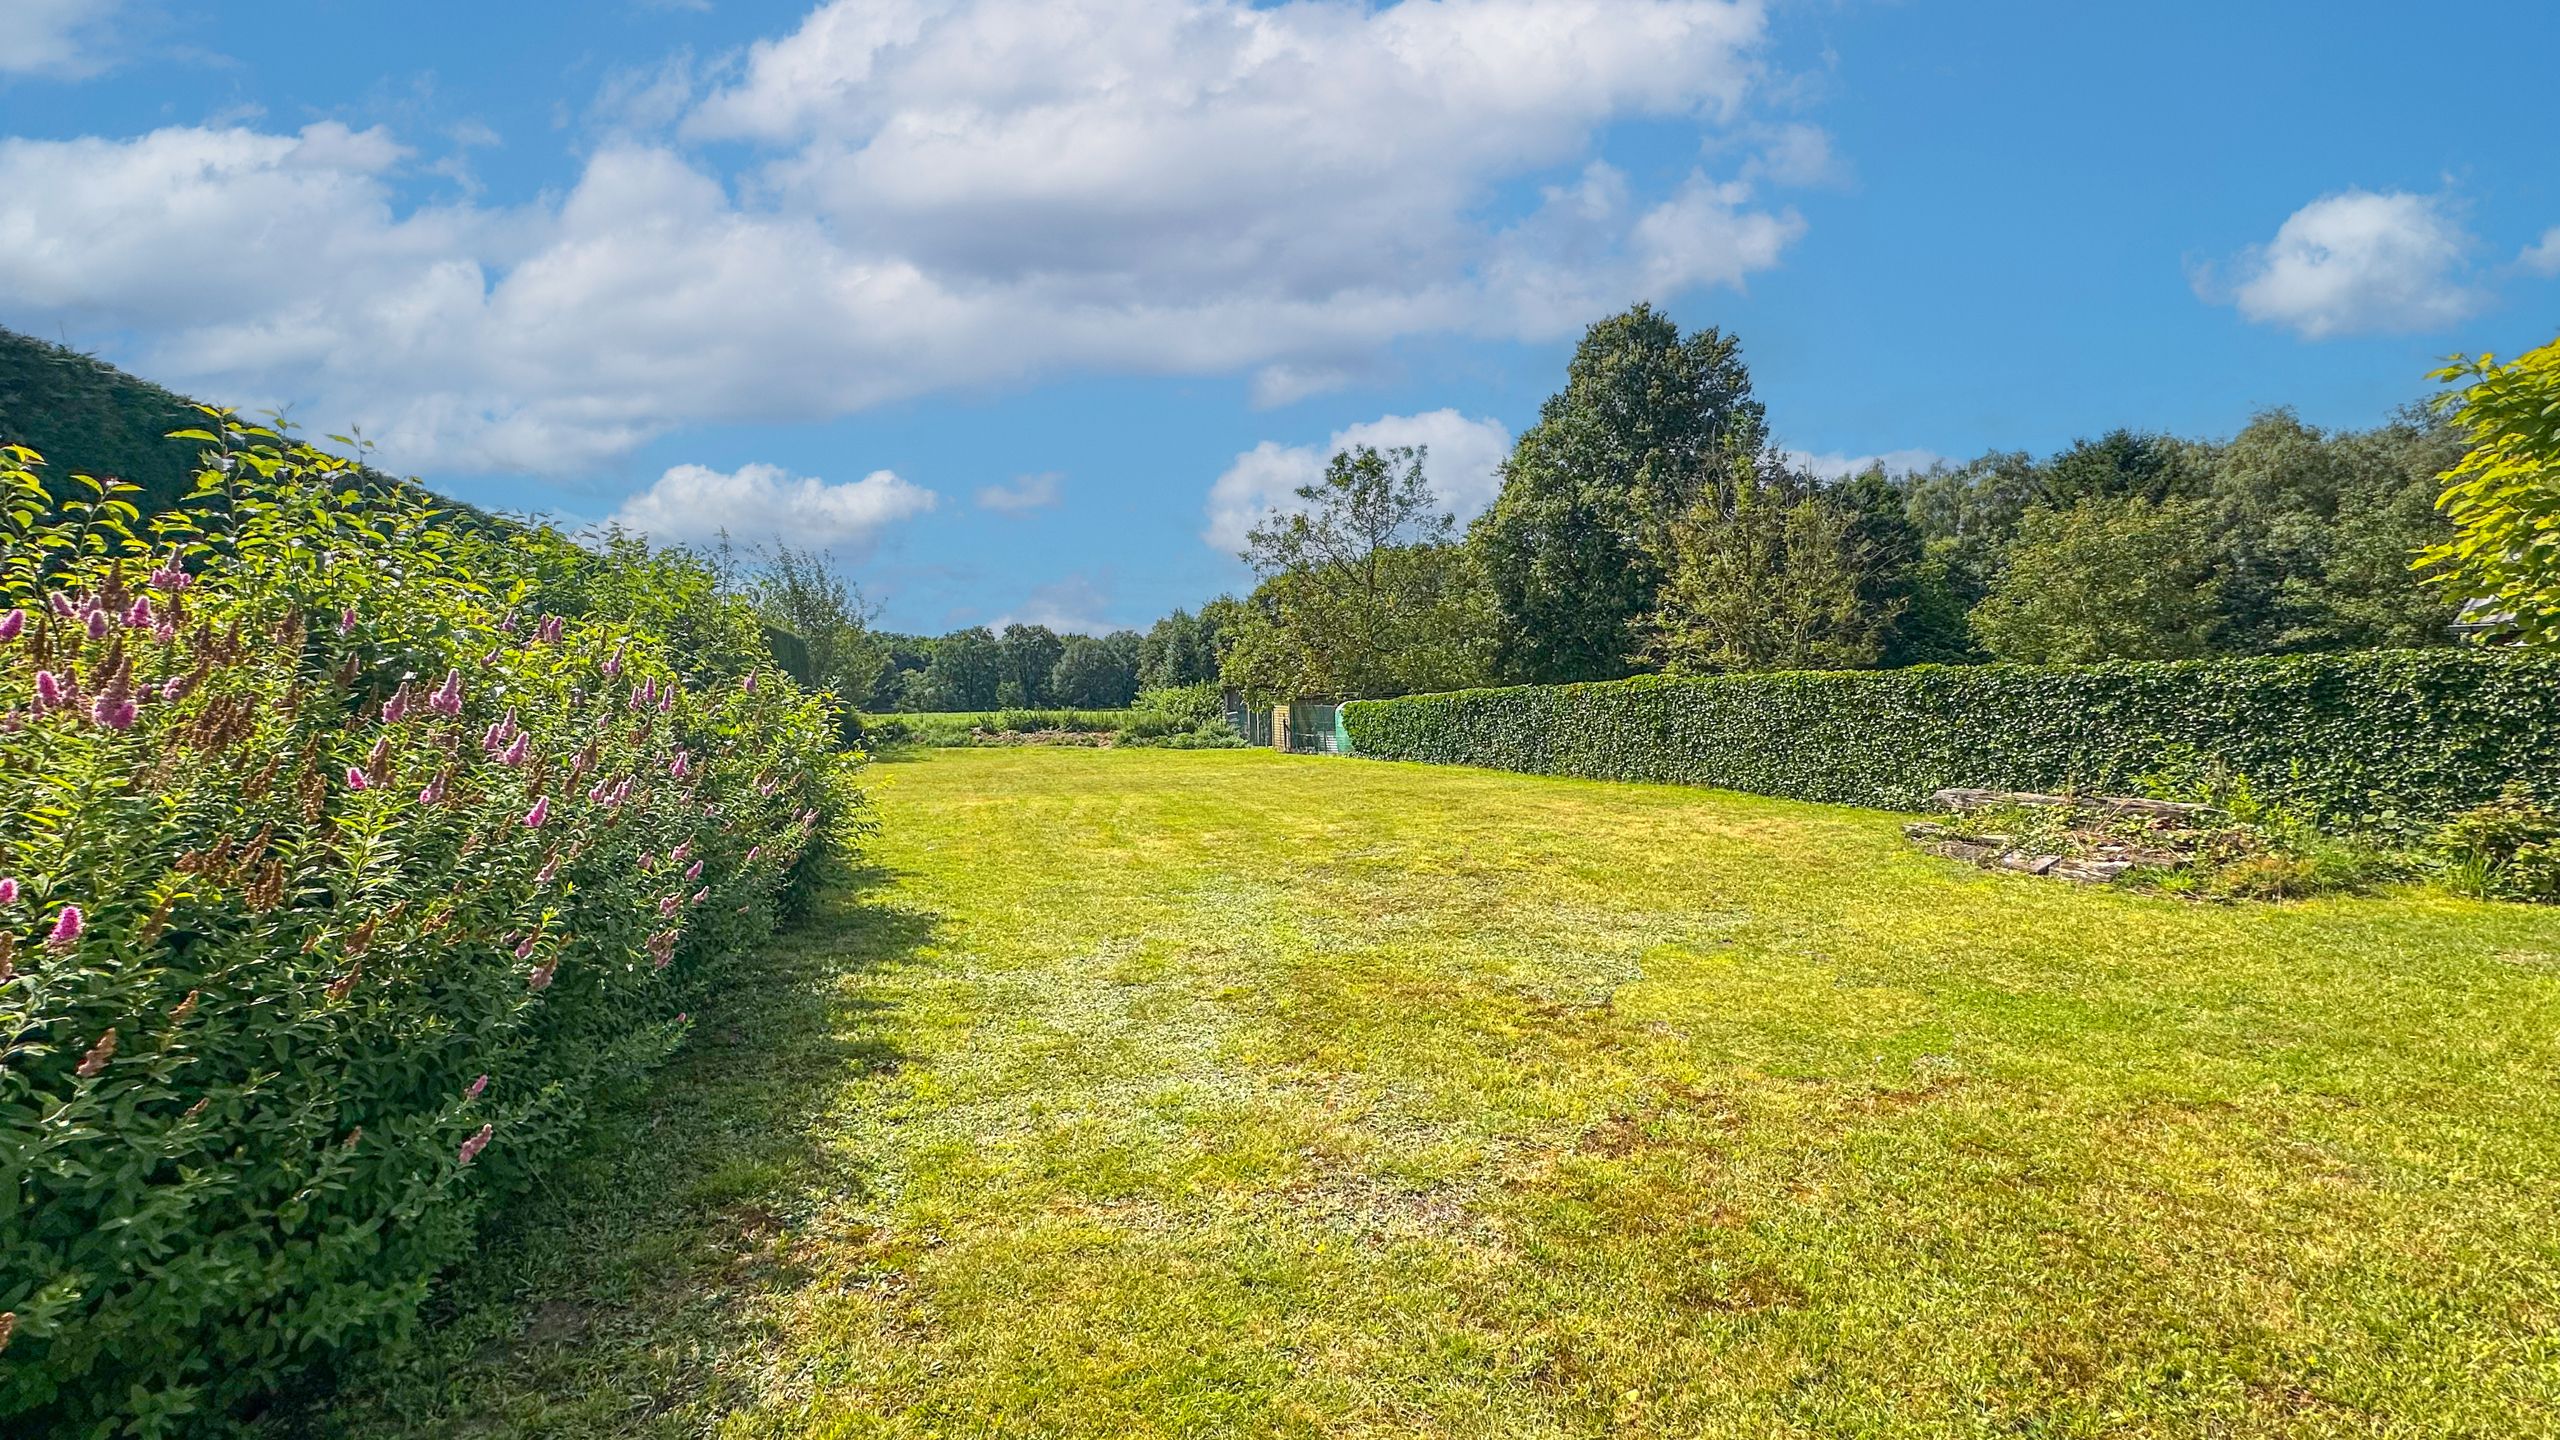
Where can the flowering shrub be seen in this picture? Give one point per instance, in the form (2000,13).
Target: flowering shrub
(343,856)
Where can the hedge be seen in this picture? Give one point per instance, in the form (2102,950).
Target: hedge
(2380,740)
(345,859)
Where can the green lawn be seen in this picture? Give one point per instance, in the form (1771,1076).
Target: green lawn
(1234,1094)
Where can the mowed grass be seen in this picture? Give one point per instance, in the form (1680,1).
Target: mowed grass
(1235,1094)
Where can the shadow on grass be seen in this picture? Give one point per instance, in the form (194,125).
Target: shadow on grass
(623,1297)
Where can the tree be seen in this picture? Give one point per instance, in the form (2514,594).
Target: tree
(1181,649)
(1776,580)
(2122,465)
(2313,534)
(796,591)
(2107,579)
(1097,672)
(2503,495)
(1647,422)
(1031,654)
(964,674)
(1362,592)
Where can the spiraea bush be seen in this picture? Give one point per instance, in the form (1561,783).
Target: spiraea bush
(346,856)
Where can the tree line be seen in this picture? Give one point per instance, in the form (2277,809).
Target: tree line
(1649,522)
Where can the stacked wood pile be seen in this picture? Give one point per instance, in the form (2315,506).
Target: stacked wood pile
(2094,838)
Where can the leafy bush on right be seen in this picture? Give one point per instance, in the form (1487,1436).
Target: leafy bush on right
(2507,849)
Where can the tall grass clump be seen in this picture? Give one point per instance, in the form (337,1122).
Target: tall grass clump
(346,852)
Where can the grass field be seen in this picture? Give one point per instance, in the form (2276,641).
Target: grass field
(1235,1094)
(953,727)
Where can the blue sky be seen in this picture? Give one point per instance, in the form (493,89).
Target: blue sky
(1023,308)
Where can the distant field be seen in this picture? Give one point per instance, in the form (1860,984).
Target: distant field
(1235,1094)
(951,727)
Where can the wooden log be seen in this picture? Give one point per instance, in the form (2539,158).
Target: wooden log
(1960,799)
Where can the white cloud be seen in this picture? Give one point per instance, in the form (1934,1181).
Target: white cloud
(1799,154)
(1463,466)
(1833,465)
(763,502)
(59,38)
(1027,492)
(2359,262)
(954,194)
(2543,257)
(1073,606)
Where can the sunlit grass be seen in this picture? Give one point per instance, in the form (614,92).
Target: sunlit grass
(1229,1093)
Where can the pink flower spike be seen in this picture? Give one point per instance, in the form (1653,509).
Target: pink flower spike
(754,853)
(676,856)
(667,906)
(12,623)
(49,691)
(138,616)
(524,948)
(113,713)
(9,891)
(543,875)
(477,1086)
(749,684)
(356,780)
(472,1147)
(684,1017)
(448,697)
(62,605)
(347,621)
(693,871)
(97,622)
(540,812)
(516,752)
(701,895)
(66,929)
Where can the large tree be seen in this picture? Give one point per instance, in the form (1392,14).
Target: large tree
(1780,577)
(799,592)
(1648,421)
(965,673)
(1030,656)
(1096,672)
(2107,579)
(2313,535)
(1181,649)
(1362,592)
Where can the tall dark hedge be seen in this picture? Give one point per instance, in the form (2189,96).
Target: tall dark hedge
(2383,740)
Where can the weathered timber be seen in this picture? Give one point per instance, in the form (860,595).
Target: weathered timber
(1961,800)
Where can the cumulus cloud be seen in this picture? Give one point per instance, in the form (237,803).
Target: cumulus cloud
(940,195)
(2359,262)
(61,38)
(764,502)
(1833,465)
(1463,466)
(1073,606)
(1027,492)
(2543,257)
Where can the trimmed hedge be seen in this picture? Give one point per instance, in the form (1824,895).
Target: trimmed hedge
(2381,740)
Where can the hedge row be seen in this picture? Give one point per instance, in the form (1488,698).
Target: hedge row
(345,859)
(2383,740)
